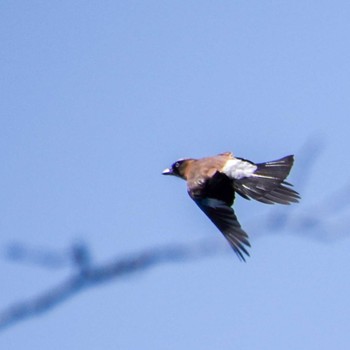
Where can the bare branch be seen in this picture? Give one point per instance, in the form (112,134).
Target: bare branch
(18,252)
(89,276)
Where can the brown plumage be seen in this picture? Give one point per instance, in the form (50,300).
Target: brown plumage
(213,181)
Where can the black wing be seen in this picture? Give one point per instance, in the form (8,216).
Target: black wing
(226,221)
(267,184)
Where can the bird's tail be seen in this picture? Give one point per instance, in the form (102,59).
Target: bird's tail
(267,183)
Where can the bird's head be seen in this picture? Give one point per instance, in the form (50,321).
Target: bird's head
(178,168)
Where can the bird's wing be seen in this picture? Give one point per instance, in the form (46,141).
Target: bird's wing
(226,221)
(267,182)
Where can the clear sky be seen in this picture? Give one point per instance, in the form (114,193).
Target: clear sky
(97,98)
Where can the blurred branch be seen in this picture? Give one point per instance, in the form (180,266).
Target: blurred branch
(89,276)
(306,159)
(17,252)
(78,255)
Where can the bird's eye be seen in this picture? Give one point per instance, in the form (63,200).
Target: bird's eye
(177,164)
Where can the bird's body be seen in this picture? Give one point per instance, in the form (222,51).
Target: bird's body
(213,181)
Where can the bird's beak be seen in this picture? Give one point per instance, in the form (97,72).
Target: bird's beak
(167,171)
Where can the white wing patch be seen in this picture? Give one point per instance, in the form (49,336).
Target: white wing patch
(237,169)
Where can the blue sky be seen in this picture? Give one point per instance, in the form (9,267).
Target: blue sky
(97,98)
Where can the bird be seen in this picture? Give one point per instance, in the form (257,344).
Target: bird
(212,183)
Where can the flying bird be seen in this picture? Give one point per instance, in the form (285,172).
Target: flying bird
(213,181)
